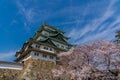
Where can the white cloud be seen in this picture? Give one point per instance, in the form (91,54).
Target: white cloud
(31,15)
(70,22)
(106,34)
(7,56)
(27,13)
(72,15)
(95,26)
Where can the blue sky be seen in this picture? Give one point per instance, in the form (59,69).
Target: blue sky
(82,20)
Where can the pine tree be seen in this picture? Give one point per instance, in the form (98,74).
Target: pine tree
(118,36)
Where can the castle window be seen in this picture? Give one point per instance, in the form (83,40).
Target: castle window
(37,46)
(50,49)
(51,57)
(46,48)
(62,47)
(44,55)
(36,54)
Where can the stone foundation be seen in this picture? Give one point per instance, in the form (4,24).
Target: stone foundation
(9,74)
(37,69)
(33,69)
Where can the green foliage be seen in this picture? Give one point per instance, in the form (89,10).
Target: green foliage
(118,36)
(3,77)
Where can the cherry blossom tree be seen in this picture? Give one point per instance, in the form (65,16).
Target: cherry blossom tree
(99,60)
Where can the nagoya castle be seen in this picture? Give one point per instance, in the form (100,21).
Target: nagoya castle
(37,57)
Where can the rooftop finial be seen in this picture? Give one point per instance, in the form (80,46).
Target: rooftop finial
(44,23)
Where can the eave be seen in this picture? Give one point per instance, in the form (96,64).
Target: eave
(53,39)
(40,35)
(45,24)
(23,48)
(60,49)
(60,34)
(59,41)
(48,41)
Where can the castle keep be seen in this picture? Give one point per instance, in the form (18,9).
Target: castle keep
(45,45)
(38,55)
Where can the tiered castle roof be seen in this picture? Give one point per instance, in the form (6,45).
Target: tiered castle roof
(46,36)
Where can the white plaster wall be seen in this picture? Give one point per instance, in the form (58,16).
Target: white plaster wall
(32,55)
(11,66)
(34,46)
(41,57)
(60,45)
(42,48)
